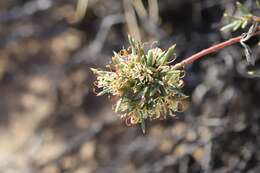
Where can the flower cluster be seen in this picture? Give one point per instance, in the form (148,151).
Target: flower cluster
(145,85)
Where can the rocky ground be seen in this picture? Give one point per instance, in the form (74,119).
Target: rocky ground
(52,122)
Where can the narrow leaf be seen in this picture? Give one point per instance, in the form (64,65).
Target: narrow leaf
(118,104)
(228,26)
(167,55)
(105,91)
(238,25)
(150,58)
(132,43)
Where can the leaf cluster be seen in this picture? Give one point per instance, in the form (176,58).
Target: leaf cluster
(241,19)
(145,85)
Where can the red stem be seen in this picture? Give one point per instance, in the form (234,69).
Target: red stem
(209,50)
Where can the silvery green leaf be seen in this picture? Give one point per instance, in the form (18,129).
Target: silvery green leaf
(104,91)
(238,25)
(132,43)
(150,58)
(160,59)
(244,24)
(168,55)
(229,26)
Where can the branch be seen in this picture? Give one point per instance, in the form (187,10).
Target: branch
(211,49)
(256,18)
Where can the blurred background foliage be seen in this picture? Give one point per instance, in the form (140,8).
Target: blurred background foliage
(52,122)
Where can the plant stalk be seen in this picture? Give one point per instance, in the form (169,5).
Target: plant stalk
(209,50)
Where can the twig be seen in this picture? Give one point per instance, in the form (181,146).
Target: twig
(131,20)
(149,21)
(211,49)
(154,11)
(256,18)
(95,47)
(81,10)
(103,31)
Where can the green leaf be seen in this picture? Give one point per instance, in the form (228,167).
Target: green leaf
(133,44)
(238,25)
(143,59)
(154,90)
(167,55)
(105,91)
(244,24)
(160,59)
(229,26)
(150,58)
(241,21)
(94,70)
